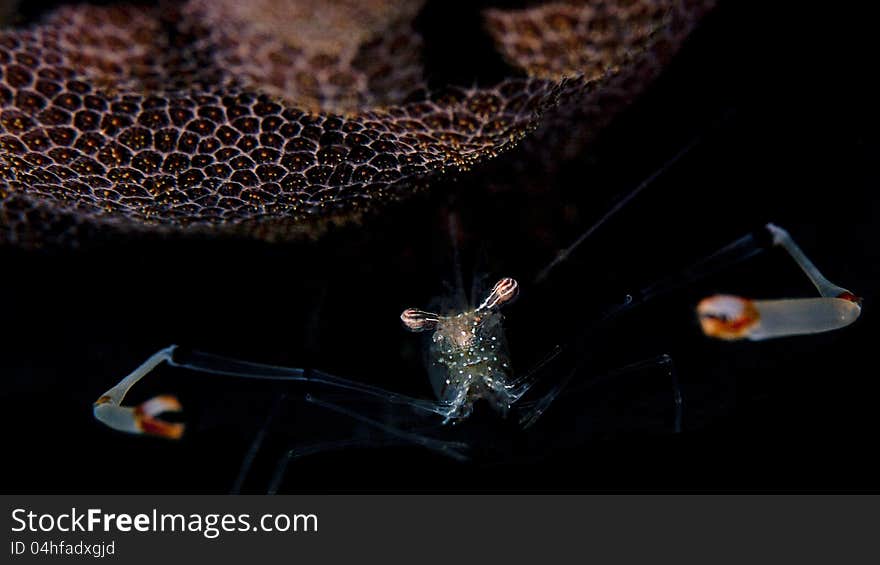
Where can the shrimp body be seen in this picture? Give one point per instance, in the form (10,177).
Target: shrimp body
(468,361)
(467,356)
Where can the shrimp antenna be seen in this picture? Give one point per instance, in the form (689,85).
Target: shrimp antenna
(563,255)
(456,259)
(729,317)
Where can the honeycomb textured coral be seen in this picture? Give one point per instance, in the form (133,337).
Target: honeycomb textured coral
(212,118)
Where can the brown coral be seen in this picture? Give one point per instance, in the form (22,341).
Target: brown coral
(221,118)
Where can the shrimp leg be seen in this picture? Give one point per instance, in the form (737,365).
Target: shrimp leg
(392,425)
(143,419)
(531,412)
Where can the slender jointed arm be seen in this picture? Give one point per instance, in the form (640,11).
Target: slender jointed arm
(143,419)
(733,317)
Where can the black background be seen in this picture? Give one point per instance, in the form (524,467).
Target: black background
(783,102)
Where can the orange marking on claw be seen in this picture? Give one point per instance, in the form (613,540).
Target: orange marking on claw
(727,317)
(148,424)
(851,297)
(160,428)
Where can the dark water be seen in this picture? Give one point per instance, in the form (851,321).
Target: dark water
(784,108)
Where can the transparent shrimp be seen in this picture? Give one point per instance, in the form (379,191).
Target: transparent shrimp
(468,354)
(468,360)
(733,317)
